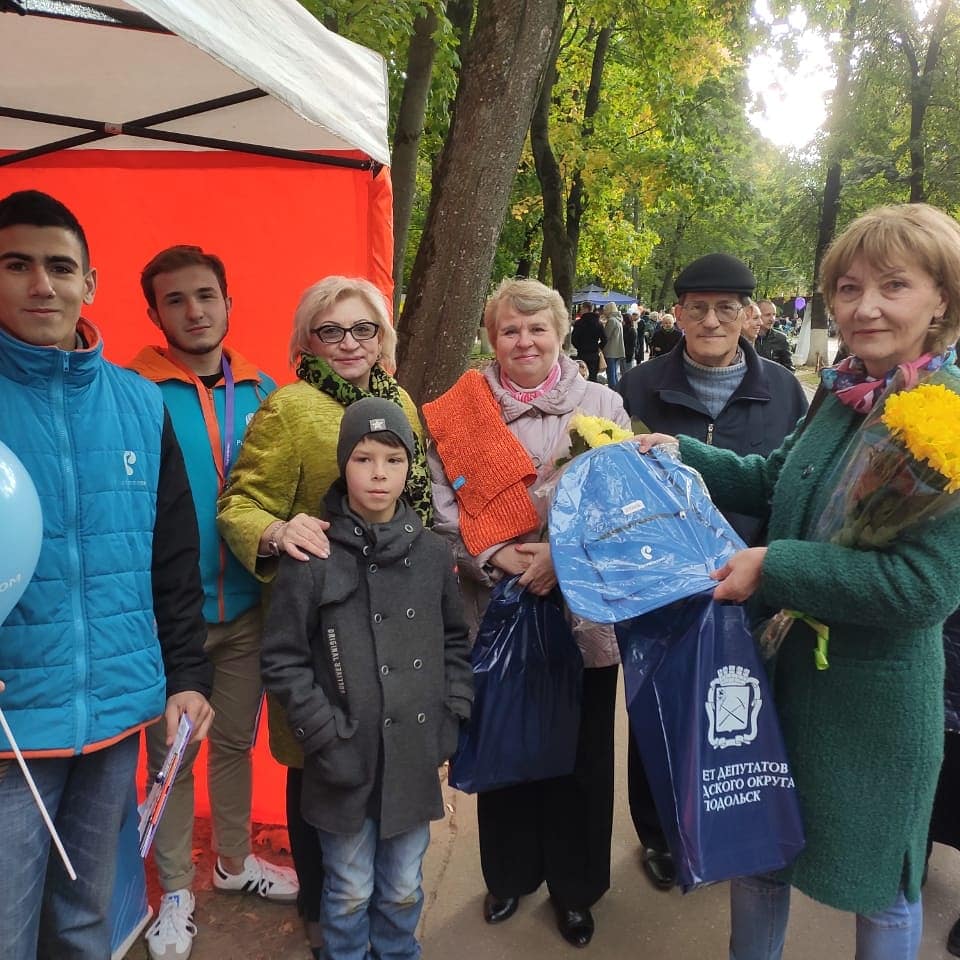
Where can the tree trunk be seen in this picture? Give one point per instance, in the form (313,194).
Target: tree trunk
(561,218)
(450,278)
(830,206)
(406,138)
(921,86)
(577,199)
(669,264)
(556,245)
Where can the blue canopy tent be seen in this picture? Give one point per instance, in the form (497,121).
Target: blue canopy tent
(597,295)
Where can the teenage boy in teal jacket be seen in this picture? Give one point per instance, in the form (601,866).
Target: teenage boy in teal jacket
(108,635)
(211,393)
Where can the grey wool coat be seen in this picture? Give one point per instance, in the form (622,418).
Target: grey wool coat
(367,652)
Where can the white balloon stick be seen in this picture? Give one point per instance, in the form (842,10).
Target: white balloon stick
(37,798)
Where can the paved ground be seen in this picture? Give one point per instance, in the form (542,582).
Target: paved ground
(633,920)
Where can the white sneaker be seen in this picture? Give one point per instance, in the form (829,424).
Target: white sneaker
(270,881)
(171,935)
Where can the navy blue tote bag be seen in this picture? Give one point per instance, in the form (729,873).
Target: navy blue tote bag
(702,712)
(528,682)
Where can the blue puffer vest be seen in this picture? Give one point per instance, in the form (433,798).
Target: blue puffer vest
(79,653)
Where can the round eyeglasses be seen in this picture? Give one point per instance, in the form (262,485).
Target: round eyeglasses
(727,311)
(332,333)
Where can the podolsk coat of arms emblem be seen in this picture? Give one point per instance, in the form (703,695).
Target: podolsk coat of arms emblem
(733,703)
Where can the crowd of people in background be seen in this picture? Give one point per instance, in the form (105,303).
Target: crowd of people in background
(625,337)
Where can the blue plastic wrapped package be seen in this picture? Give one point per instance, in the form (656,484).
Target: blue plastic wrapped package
(702,714)
(630,533)
(528,683)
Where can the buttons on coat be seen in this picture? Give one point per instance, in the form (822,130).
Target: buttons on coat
(358,531)
(299,733)
(411,613)
(421,718)
(417,664)
(366,550)
(372,568)
(387,721)
(377,618)
(807,471)
(384,670)
(408,527)
(406,561)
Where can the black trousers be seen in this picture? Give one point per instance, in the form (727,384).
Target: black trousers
(558,830)
(945,822)
(643,810)
(592,360)
(305,849)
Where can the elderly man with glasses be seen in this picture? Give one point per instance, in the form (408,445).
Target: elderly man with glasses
(714,387)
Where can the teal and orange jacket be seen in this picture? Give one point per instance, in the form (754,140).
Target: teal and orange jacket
(228,588)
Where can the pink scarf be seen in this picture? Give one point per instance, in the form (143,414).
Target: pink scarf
(529,394)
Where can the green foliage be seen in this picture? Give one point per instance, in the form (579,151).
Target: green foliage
(670,165)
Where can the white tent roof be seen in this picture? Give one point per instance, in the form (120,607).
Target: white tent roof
(325,92)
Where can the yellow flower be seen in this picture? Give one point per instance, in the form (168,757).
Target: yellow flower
(597,431)
(925,421)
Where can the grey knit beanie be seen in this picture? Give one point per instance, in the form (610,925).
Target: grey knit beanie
(372,415)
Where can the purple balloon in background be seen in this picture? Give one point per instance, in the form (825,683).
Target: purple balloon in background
(21,530)
(800,303)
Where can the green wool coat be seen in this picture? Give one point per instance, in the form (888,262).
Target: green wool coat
(864,737)
(286,466)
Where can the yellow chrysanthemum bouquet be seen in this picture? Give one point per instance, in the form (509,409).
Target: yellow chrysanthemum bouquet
(902,468)
(583,433)
(588,433)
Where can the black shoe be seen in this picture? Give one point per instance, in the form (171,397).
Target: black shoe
(575,926)
(496,910)
(660,868)
(953,940)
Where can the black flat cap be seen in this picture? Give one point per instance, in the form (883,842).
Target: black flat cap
(715,273)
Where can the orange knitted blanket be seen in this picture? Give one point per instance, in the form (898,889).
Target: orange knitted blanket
(486,465)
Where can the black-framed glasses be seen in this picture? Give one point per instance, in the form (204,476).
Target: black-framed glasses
(727,311)
(332,333)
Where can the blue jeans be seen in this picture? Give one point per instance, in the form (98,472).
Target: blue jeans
(372,897)
(613,372)
(43,913)
(759,907)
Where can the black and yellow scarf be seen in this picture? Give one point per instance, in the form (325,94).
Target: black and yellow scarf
(317,372)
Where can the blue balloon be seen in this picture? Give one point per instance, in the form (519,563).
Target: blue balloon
(21,530)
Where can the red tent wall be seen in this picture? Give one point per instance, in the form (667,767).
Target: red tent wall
(278,225)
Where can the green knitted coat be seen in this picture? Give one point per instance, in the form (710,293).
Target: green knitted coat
(286,466)
(865,736)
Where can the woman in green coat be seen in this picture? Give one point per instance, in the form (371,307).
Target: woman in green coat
(865,735)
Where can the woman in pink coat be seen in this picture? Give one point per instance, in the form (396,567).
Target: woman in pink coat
(518,412)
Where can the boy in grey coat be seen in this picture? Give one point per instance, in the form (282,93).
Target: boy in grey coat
(368,653)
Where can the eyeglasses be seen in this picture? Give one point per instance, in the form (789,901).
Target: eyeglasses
(331,333)
(697,310)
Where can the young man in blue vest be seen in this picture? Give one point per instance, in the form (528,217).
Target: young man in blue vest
(108,636)
(212,393)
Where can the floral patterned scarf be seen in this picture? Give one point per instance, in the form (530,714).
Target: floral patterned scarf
(855,388)
(317,372)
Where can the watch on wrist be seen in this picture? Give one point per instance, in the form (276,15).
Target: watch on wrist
(273,547)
